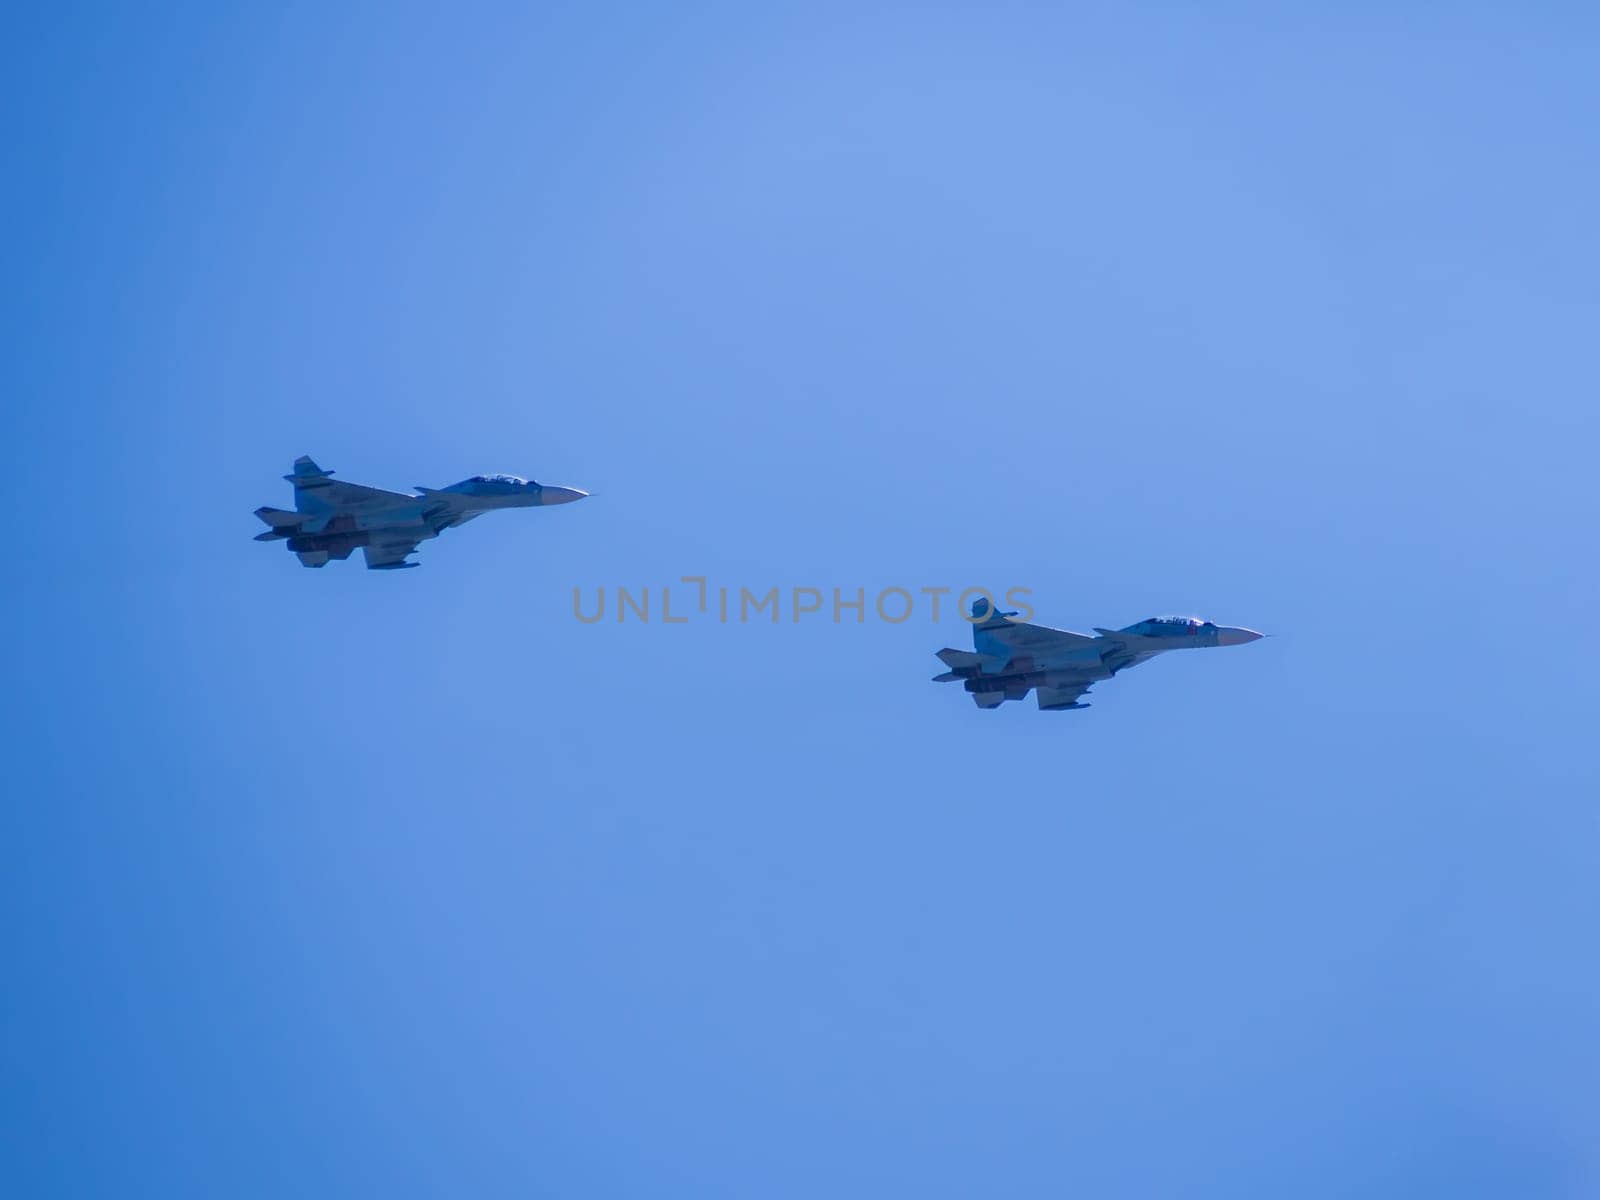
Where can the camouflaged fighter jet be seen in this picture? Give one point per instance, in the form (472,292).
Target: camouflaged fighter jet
(331,519)
(1012,657)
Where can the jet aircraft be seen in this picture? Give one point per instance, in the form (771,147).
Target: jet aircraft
(331,518)
(1010,658)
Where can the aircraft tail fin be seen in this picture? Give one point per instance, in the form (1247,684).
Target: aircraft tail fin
(986,614)
(306,471)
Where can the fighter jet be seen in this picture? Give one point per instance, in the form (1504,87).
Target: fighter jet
(1011,658)
(331,519)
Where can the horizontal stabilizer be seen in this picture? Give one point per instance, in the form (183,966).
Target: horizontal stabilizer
(966,660)
(277,518)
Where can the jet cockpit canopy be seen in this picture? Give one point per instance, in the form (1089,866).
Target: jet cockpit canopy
(1169,626)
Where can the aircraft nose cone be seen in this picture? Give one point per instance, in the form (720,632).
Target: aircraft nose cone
(559,495)
(1228,636)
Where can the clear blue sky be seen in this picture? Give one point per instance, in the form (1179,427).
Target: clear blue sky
(348,883)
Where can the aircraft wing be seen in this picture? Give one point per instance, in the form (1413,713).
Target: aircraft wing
(442,517)
(343,495)
(307,476)
(1061,697)
(1036,639)
(1125,648)
(390,555)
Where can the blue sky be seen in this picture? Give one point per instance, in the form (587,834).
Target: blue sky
(360,883)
